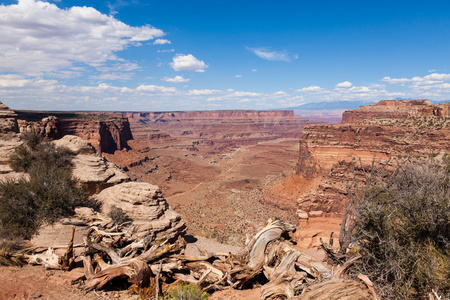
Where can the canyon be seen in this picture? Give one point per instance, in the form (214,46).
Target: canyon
(218,169)
(390,130)
(227,171)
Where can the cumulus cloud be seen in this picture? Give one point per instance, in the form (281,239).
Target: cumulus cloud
(188,62)
(176,79)
(37,36)
(161,42)
(238,76)
(314,89)
(164,51)
(155,89)
(345,84)
(202,92)
(272,55)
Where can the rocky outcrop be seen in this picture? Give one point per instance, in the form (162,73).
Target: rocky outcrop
(326,150)
(49,127)
(91,169)
(8,120)
(9,140)
(106,136)
(145,205)
(396,109)
(107,132)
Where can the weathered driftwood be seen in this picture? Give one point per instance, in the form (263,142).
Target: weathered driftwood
(152,266)
(337,289)
(49,259)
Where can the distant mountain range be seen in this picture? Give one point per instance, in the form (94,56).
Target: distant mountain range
(344,105)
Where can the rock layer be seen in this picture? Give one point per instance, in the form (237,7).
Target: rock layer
(91,169)
(397,109)
(326,150)
(49,127)
(217,131)
(144,203)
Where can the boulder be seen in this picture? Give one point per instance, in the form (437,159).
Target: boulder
(91,169)
(8,120)
(146,206)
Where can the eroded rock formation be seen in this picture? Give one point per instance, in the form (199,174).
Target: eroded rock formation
(145,205)
(213,130)
(9,140)
(49,127)
(397,109)
(8,120)
(92,169)
(327,150)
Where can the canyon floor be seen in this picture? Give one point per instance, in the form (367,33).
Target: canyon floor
(223,197)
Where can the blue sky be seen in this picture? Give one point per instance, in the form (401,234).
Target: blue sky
(204,55)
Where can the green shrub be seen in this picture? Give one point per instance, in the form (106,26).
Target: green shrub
(187,292)
(49,194)
(117,215)
(404,234)
(18,210)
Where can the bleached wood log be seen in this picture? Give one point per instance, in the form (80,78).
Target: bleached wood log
(49,259)
(135,270)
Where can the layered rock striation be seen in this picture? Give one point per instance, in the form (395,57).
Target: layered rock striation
(107,132)
(219,130)
(397,109)
(91,168)
(327,150)
(146,206)
(49,127)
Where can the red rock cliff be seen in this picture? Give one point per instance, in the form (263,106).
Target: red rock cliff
(107,133)
(396,109)
(106,136)
(214,129)
(326,150)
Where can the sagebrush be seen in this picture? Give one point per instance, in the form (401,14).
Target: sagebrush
(49,194)
(187,292)
(403,233)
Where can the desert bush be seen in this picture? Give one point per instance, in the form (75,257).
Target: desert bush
(403,233)
(187,292)
(50,193)
(18,210)
(117,215)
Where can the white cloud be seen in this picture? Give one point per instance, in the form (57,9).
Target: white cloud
(254,70)
(345,84)
(12,81)
(202,92)
(312,89)
(176,79)
(272,55)
(188,62)
(164,51)
(37,36)
(238,76)
(161,42)
(155,89)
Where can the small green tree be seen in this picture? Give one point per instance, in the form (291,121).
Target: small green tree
(50,193)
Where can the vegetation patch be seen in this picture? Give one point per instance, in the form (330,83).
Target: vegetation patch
(50,193)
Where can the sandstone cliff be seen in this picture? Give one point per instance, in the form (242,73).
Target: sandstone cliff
(49,127)
(107,133)
(396,109)
(326,150)
(219,130)
(90,168)
(9,140)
